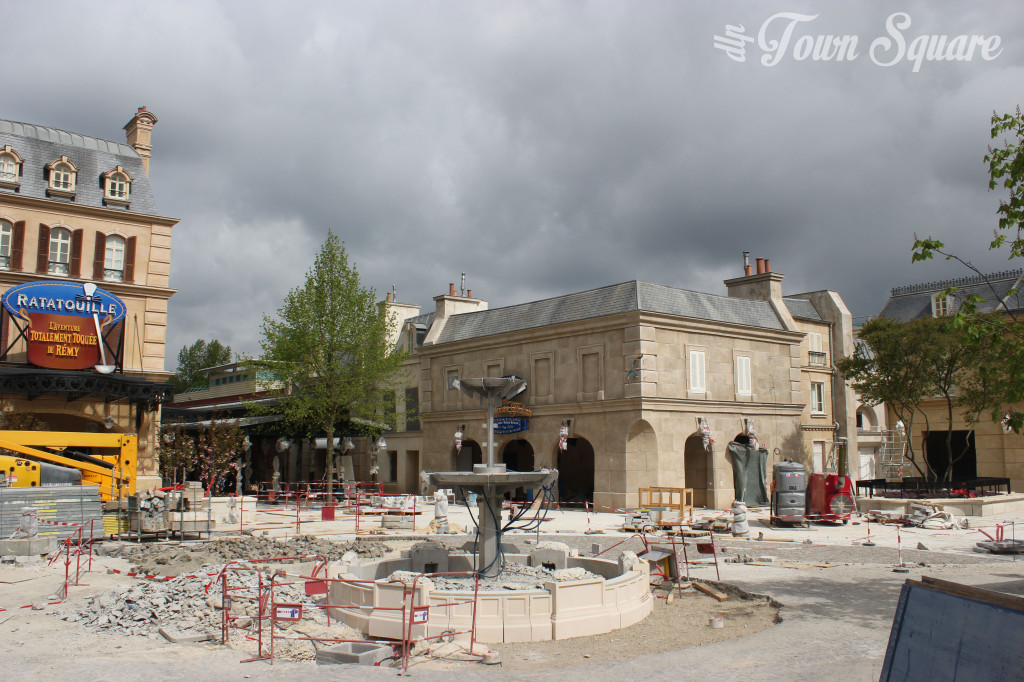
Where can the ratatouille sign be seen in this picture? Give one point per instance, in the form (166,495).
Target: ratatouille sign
(64,322)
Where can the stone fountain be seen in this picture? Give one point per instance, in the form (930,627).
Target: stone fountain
(490,481)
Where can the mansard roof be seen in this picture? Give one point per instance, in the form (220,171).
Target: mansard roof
(39,145)
(915,300)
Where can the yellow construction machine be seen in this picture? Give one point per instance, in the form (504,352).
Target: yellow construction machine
(56,458)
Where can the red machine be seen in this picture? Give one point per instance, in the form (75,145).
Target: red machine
(830,497)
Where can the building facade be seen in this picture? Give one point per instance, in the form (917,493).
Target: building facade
(992,451)
(78,217)
(628,374)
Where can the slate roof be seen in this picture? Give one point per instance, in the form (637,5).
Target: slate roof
(915,301)
(802,309)
(39,145)
(610,300)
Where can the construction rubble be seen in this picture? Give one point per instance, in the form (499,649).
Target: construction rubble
(187,557)
(929,517)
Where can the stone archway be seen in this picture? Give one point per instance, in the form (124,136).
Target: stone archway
(576,471)
(697,469)
(470,454)
(518,456)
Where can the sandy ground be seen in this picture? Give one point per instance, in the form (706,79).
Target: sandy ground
(837,601)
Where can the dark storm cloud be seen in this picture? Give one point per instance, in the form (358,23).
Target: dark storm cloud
(539,147)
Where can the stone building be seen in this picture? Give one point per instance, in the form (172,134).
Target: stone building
(991,450)
(630,371)
(77,212)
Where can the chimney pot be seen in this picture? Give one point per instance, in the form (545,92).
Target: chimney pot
(451,288)
(469,293)
(760,265)
(767,265)
(748,269)
(388,298)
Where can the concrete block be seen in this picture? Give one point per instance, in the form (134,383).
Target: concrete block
(360,653)
(551,555)
(28,546)
(429,557)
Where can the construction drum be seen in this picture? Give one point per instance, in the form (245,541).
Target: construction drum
(789,498)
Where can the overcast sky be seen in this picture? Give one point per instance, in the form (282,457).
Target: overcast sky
(539,147)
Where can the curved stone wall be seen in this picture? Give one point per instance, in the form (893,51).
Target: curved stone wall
(560,610)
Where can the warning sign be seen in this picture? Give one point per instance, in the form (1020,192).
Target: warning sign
(287,611)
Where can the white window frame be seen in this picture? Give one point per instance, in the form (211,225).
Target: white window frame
(6,239)
(743,382)
(817,397)
(117,186)
(62,177)
(59,260)
(113,258)
(698,371)
(10,166)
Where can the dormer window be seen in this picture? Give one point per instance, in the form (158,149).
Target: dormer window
(942,304)
(63,174)
(10,167)
(116,186)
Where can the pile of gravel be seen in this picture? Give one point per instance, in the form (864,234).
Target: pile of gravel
(187,557)
(514,577)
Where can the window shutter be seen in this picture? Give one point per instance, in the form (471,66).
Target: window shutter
(17,245)
(129,260)
(75,269)
(43,256)
(99,256)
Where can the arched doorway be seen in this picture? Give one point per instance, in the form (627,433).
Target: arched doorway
(576,471)
(518,456)
(697,469)
(470,454)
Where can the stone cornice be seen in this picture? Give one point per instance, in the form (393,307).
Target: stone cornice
(134,291)
(73,209)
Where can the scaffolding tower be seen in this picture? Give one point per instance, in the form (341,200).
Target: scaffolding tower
(892,454)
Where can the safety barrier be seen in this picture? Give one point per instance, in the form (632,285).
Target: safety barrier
(411,614)
(76,546)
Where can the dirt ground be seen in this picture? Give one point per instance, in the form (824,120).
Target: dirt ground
(35,631)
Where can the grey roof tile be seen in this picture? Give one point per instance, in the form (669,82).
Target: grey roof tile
(39,145)
(605,301)
(802,308)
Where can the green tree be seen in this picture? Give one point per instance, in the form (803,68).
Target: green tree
(889,366)
(198,356)
(329,346)
(998,385)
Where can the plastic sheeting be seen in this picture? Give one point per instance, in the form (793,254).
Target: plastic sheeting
(749,471)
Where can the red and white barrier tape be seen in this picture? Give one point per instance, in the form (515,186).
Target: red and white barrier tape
(29,606)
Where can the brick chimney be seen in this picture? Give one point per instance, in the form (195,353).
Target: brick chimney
(138,131)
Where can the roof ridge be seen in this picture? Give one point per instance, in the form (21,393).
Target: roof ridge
(123,147)
(956,282)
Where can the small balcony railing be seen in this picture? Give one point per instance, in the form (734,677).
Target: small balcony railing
(816,358)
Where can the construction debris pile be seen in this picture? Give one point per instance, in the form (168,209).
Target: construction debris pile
(930,517)
(182,610)
(187,557)
(513,577)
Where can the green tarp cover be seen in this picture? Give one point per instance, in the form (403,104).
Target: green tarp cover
(749,471)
